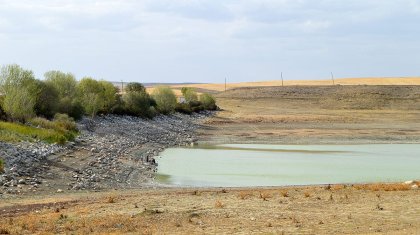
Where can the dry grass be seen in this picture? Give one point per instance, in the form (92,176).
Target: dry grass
(307,194)
(219,204)
(284,193)
(245,195)
(111,199)
(265,195)
(342,81)
(383,187)
(177,211)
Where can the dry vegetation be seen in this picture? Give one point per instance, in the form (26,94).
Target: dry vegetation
(337,209)
(326,82)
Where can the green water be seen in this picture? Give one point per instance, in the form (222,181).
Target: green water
(275,165)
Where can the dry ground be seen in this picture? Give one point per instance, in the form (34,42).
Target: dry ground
(316,114)
(359,209)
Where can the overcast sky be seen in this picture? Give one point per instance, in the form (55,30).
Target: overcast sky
(208,40)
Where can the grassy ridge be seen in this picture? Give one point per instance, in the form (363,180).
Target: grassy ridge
(15,132)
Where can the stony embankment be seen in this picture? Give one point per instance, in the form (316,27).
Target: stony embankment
(110,152)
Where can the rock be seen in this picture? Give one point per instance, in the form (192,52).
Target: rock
(21,181)
(409,182)
(415,186)
(59,190)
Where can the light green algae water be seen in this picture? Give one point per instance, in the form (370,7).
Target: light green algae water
(234,165)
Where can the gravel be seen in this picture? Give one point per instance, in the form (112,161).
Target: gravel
(118,152)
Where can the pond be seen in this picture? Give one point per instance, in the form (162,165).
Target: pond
(236,165)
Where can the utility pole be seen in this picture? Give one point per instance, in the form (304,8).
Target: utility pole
(332,78)
(225,84)
(122,86)
(282,79)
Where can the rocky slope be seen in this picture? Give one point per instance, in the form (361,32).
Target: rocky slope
(111,152)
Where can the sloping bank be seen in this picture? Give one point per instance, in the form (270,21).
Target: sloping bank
(111,151)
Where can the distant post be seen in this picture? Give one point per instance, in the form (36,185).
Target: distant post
(122,86)
(281,74)
(332,78)
(225,84)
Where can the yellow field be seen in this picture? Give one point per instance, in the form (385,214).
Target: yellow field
(341,81)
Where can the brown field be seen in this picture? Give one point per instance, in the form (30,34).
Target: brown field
(316,114)
(336,209)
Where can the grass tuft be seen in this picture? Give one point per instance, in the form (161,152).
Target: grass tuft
(219,204)
(383,187)
(265,195)
(41,129)
(245,194)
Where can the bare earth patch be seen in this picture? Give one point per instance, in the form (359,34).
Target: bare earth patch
(336,209)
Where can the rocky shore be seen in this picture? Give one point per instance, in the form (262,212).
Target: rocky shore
(110,152)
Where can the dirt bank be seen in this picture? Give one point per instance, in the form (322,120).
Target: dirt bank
(316,115)
(341,209)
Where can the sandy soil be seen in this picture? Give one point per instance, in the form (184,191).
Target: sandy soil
(289,210)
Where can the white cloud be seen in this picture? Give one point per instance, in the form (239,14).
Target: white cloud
(205,40)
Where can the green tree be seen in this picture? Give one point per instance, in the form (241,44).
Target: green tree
(65,85)
(97,96)
(165,99)
(20,91)
(89,93)
(135,87)
(19,104)
(109,96)
(137,101)
(47,100)
(208,102)
(12,76)
(189,94)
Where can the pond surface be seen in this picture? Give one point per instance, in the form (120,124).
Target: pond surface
(233,165)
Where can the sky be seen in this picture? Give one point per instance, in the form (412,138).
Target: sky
(210,40)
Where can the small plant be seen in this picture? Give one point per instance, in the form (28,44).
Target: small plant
(111,199)
(284,193)
(4,231)
(219,204)
(244,195)
(307,194)
(265,195)
(1,165)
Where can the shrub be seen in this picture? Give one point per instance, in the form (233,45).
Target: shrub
(208,102)
(189,94)
(1,165)
(19,104)
(135,87)
(46,104)
(183,108)
(109,96)
(89,94)
(15,132)
(64,121)
(138,103)
(72,107)
(165,99)
(3,115)
(20,90)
